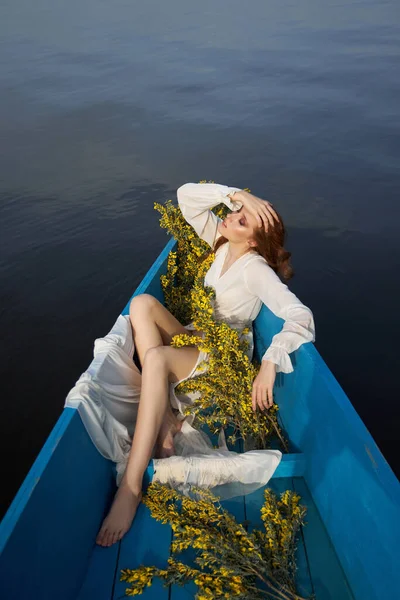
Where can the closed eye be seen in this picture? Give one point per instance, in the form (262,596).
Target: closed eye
(242,221)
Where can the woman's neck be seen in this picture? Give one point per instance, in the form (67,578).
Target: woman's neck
(235,251)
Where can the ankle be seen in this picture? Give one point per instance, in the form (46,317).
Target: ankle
(131,486)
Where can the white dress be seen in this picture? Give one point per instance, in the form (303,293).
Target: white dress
(241,291)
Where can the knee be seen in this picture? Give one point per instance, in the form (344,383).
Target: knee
(140,304)
(155,359)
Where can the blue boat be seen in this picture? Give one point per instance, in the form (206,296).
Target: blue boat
(349,547)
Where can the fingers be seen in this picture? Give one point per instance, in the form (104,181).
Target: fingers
(262,220)
(267,214)
(261,398)
(268,220)
(270,398)
(254,399)
(262,210)
(260,214)
(270,214)
(268,402)
(271,210)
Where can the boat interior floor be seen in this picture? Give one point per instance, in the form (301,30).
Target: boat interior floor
(148,543)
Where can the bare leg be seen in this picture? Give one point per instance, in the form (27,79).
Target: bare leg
(161,365)
(153,326)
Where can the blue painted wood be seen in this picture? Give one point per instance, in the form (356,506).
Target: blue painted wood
(291,465)
(99,579)
(253,504)
(48,534)
(304,583)
(104,570)
(146,543)
(151,282)
(328,578)
(188,591)
(353,487)
(237,508)
(21,499)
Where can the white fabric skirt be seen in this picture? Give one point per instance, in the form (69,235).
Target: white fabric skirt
(107,397)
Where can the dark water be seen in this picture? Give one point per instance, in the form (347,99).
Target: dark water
(108,107)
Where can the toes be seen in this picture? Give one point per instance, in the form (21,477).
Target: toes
(110,538)
(114,537)
(120,535)
(103,537)
(100,536)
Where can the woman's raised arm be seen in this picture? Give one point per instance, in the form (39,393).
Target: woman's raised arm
(196,201)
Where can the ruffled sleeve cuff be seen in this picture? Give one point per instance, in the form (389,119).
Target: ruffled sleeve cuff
(280,357)
(232,204)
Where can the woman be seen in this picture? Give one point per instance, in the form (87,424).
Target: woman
(249,254)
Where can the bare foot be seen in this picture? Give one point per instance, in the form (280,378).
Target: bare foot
(120,517)
(165,440)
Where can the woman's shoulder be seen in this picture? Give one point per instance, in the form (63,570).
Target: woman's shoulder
(256,261)
(257,267)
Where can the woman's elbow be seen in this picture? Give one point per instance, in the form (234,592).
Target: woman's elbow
(311,324)
(183,189)
(305,320)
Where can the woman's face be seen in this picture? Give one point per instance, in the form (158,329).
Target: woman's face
(238,226)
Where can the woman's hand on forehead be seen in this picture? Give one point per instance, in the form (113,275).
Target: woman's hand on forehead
(262,210)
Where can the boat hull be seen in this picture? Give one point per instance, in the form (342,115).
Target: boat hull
(348,549)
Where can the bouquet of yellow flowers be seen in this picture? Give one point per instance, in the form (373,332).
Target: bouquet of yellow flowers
(225,388)
(230,562)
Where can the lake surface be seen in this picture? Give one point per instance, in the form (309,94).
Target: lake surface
(106,108)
